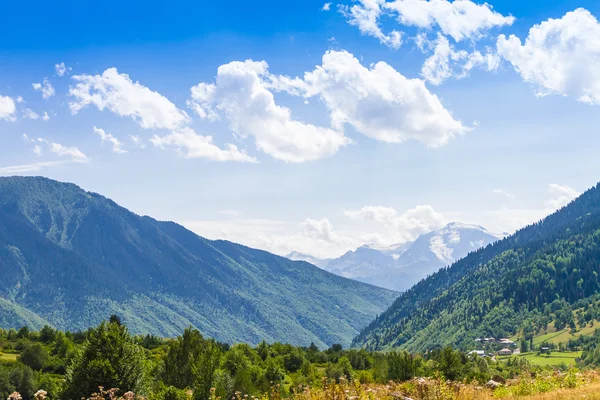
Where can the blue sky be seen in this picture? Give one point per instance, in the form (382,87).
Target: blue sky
(370,122)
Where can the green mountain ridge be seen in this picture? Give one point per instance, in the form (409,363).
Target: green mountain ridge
(70,258)
(550,267)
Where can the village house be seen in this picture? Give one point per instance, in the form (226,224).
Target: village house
(505,352)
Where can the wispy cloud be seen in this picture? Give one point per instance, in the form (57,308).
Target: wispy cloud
(504,193)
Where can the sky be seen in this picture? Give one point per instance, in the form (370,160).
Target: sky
(308,126)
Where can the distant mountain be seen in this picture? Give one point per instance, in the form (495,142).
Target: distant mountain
(400,266)
(319,262)
(71,258)
(545,273)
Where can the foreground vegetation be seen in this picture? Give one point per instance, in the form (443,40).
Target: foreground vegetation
(69,366)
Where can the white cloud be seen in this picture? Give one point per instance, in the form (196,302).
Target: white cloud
(29,168)
(45,117)
(37,149)
(320,229)
(561,195)
(45,87)
(7,108)
(504,193)
(559,56)
(20,99)
(30,114)
(401,227)
(117,146)
(378,102)
(365,16)
(326,7)
(61,69)
(461,19)
(192,145)
(137,141)
(27,139)
(446,62)
(241,95)
(73,153)
(65,151)
(120,95)
(311,236)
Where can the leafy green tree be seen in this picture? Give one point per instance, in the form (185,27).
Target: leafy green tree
(23,333)
(401,366)
(47,334)
(109,358)
(6,386)
(22,379)
(293,360)
(450,363)
(34,355)
(191,362)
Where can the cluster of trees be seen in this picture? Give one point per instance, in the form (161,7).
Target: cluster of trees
(73,365)
(542,273)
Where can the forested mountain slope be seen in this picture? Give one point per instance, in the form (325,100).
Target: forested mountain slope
(71,258)
(499,289)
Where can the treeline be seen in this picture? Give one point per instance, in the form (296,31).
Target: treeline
(74,365)
(543,272)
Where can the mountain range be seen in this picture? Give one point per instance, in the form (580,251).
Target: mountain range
(400,266)
(546,273)
(70,258)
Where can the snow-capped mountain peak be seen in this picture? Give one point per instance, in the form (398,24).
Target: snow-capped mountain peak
(400,266)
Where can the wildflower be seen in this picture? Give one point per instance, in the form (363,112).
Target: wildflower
(15,396)
(40,395)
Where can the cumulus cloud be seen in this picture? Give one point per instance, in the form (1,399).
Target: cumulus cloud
(45,117)
(561,195)
(378,102)
(61,69)
(559,56)
(461,19)
(193,145)
(319,228)
(447,62)
(240,93)
(20,99)
(7,108)
(117,146)
(404,227)
(119,94)
(365,16)
(326,7)
(45,87)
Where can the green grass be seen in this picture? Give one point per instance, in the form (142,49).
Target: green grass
(8,357)
(552,359)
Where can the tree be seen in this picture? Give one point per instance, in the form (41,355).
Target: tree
(22,380)
(34,355)
(191,362)
(401,366)
(109,358)
(450,363)
(47,334)
(23,333)
(524,346)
